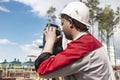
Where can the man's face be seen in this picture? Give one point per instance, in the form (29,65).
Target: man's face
(66,28)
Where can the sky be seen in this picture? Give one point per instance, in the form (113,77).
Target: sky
(22,23)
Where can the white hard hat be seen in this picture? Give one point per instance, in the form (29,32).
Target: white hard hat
(77,11)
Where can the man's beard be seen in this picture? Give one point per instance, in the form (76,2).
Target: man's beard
(68,37)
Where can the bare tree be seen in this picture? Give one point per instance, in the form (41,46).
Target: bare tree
(94,10)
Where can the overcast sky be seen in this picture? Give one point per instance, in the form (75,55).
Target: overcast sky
(22,23)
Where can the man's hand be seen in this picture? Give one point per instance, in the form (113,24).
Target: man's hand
(50,34)
(51,38)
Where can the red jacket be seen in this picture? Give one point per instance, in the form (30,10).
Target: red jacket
(74,51)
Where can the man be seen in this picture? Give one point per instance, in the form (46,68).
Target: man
(83,59)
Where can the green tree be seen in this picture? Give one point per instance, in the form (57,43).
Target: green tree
(107,21)
(51,14)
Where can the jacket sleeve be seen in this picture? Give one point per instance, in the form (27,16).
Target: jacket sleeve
(78,66)
(41,58)
(74,51)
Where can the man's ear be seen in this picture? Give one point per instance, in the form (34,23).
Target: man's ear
(71,23)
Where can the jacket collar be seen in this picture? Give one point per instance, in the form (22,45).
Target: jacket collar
(80,35)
